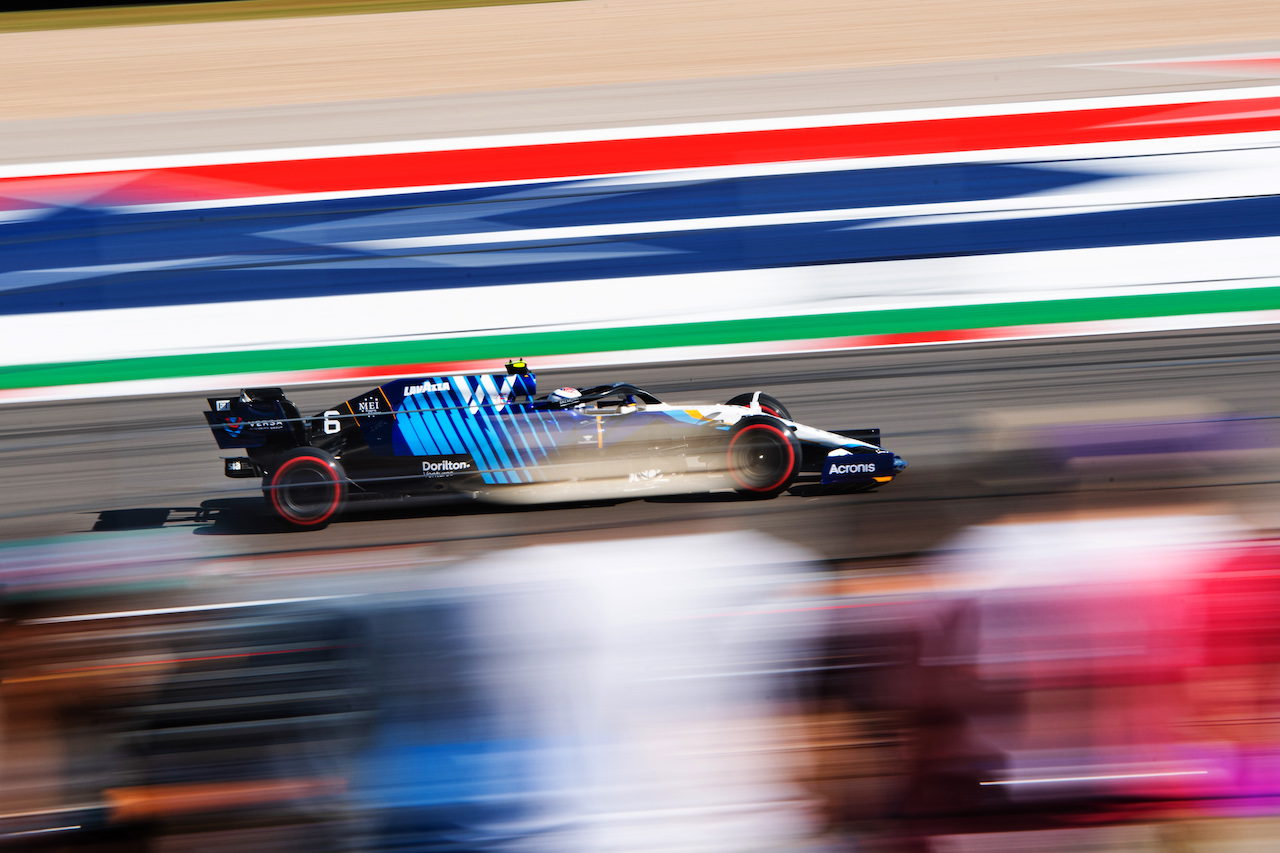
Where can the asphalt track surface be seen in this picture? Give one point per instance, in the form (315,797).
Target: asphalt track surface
(77,469)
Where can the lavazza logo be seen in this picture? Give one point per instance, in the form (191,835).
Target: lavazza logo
(445,467)
(854,468)
(410,390)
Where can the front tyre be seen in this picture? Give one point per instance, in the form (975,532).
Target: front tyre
(763,457)
(768,405)
(306,489)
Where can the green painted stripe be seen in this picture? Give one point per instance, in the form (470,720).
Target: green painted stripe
(126,14)
(534,344)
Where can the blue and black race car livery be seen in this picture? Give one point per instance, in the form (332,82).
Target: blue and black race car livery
(492,436)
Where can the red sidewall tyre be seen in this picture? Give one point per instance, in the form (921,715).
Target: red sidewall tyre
(768,405)
(763,457)
(306,489)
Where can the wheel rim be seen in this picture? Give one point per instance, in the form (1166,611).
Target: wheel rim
(305,491)
(760,458)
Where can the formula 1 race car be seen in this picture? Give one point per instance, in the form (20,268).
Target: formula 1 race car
(490,436)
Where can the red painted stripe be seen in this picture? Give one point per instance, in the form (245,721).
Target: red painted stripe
(1266,65)
(934,337)
(1269,64)
(564,160)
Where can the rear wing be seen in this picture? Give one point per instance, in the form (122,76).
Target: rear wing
(265,418)
(258,417)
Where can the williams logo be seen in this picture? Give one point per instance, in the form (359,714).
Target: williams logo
(234,426)
(447,466)
(425,388)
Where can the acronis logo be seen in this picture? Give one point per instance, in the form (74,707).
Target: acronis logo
(854,468)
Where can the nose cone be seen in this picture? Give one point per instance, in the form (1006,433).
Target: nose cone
(899,464)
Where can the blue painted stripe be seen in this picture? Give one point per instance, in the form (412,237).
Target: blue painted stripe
(558,423)
(71,259)
(408,432)
(456,418)
(509,440)
(479,422)
(720,250)
(442,439)
(412,431)
(438,422)
(453,420)
(527,430)
(595,202)
(500,425)
(547,420)
(445,439)
(507,456)
(536,427)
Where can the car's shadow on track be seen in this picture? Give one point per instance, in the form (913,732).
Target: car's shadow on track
(703,498)
(226,515)
(250,516)
(803,490)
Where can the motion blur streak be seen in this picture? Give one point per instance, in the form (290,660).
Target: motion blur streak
(614,695)
(1104,669)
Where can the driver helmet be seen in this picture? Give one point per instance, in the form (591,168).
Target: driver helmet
(565,396)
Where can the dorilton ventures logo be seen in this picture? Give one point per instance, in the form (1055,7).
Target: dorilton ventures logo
(446,467)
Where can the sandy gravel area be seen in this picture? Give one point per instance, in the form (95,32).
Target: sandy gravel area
(314,60)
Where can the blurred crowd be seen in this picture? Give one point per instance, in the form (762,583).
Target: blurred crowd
(712,692)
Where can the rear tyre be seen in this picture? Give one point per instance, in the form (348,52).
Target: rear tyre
(763,457)
(306,489)
(768,405)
